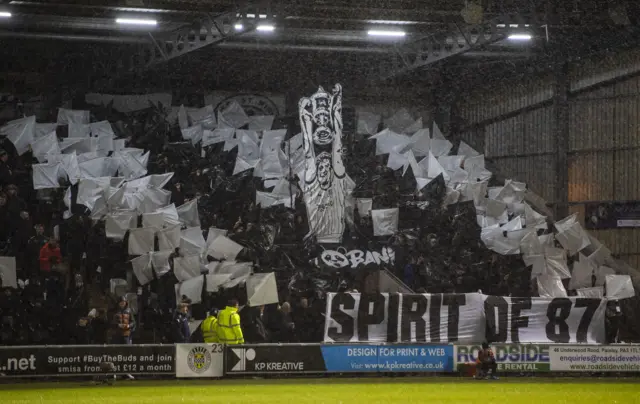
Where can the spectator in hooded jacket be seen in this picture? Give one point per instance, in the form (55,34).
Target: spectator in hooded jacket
(123,323)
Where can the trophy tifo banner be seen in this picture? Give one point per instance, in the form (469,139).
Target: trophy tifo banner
(324,179)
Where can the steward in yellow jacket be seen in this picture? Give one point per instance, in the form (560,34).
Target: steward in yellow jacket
(229,331)
(209,328)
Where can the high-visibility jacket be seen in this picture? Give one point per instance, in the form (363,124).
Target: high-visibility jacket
(229,331)
(210,330)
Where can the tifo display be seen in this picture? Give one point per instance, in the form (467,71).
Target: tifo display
(282,213)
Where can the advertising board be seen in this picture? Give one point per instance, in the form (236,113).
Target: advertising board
(199,360)
(594,358)
(257,359)
(509,357)
(85,360)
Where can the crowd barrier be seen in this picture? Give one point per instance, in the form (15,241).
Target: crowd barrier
(216,360)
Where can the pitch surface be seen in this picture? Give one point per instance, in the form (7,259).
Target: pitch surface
(347,391)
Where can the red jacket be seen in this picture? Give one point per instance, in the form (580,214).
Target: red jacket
(45,257)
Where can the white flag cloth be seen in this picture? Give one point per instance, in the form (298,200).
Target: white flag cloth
(192,289)
(466,151)
(261,122)
(218,135)
(387,141)
(368,122)
(100,167)
(397,161)
(399,121)
(248,144)
(619,287)
(46,175)
(186,267)
(79,130)
(364,206)
(141,240)
(102,128)
(533,218)
(169,239)
(129,167)
(21,132)
(45,145)
(81,146)
(556,261)
(149,181)
(601,274)
(420,143)
(117,224)
(591,293)
(160,262)
(66,116)
(573,239)
(115,197)
(105,145)
(90,189)
(192,241)
(244,165)
(550,286)
(43,129)
(212,233)
(235,269)
(69,165)
(142,268)
(385,221)
(153,220)
(414,127)
(581,276)
(262,289)
(153,199)
(216,281)
(233,116)
(223,247)
(439,145)
(170,214)
(267,199)
(205,116)
(8,272)
(188,213)
(193,133)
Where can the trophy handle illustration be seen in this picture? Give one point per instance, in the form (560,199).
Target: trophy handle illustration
(306,124)
(336,115)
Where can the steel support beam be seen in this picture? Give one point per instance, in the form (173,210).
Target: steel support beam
(456,40)
(561,138)
(206,31)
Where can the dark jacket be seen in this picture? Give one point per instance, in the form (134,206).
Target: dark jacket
(181,333)
(126,318)
(6,175)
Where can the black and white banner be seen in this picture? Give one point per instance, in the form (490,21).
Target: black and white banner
(465,318)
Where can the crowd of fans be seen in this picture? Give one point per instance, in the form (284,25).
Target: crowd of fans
(65,265)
